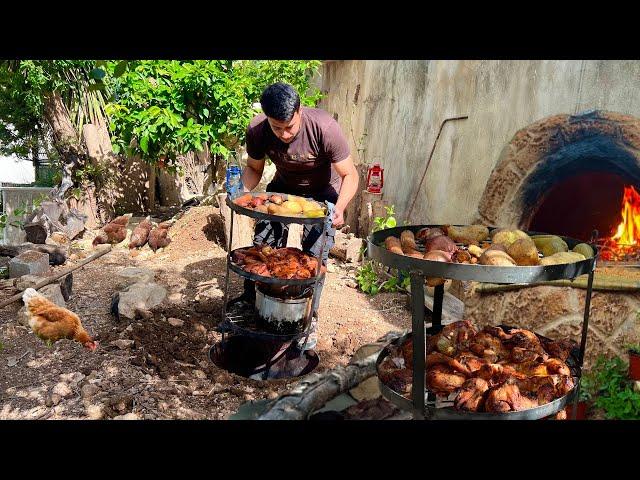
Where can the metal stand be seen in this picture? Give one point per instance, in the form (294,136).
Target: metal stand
(227,322)
(419,269)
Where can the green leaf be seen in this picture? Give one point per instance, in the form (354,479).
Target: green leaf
(205,112)
(144,144)
(121,67)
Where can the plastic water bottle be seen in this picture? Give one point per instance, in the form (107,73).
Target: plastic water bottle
(234,183)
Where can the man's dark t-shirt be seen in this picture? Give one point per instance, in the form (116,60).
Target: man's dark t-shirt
(303,167)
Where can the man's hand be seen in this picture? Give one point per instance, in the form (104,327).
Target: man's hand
(338,218)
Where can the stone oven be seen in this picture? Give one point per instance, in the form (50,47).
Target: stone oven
(566,175)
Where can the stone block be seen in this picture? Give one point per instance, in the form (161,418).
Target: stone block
(30,262)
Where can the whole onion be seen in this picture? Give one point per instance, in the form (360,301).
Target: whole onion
(441,242)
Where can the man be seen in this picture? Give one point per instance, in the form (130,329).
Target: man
(312,159)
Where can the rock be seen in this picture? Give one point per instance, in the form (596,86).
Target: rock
(199,374)
(89,390)
(66,286)
(176,322)
(130,275)
(139,297)
(55,399)
(62,389)
(30,262)
(48,401)
(198,327)
(75,224)
(72,378)
(636,385)
(346,247)
(127,416)
(351,284)
(27,281)
(53,292)
(95,412)
(123,344)
(331,268)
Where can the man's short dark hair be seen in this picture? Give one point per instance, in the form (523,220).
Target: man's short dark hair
(280,101)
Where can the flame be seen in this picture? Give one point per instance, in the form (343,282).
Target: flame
(628,231)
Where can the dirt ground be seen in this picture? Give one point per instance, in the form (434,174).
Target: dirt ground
(165,373)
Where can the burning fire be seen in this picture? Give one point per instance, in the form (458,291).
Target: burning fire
(625,241)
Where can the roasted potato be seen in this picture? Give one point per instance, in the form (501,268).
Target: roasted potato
(524,252)
(408,241)
(393,245)
(469,234)
(562,257)
(497,258)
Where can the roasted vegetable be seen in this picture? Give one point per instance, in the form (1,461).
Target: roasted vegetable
(585,249)
(277,199)
(497,258)
(476,251)
(550,245)
(427,233)
(393,245)
(292,207)
(441,242)
(469,234)
(436,256)
(507,237)
(524,252)
(244,200)
(408,241)
(562,257)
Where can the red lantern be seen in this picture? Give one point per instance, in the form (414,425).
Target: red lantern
(375,178)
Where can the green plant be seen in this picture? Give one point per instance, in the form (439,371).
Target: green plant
(388,221)
(371,280)
(162,109)
(633,348)
(612,391)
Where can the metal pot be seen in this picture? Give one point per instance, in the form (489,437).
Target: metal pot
(283,316)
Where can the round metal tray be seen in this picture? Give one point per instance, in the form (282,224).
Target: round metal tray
(274,218)
(480,273)
(450,413)
(271,280)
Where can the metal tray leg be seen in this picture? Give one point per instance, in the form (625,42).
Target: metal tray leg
(438,298)
(417,306)
(583,341)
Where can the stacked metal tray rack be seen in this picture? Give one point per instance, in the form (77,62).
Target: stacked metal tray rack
(422,403)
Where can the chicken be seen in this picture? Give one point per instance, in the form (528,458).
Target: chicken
(159,236)
(560,349)
(52,323)
(453,338)
(506,398)
(140,234)
(444,379)
(496,374)
(114,231)
(471,395)
(435,358)
(488,347)
(526,339)
(281,262)
(472,362)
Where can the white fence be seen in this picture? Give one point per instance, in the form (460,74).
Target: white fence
(15,198)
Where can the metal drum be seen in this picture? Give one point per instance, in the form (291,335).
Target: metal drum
(283,316)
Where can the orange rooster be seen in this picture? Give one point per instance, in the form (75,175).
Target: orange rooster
(114,231)
(52,323)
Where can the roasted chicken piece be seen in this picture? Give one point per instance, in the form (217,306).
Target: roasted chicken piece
(507,398)
(437,358)
(471,361)
(531,369)
(520,355)
(489,347)
(546,388)
(496,374)
(560,349)
(453,338)
(471,395)
(519,337)
(443,379)
(558,367)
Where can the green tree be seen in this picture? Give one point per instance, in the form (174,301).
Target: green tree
(163,109)
(49,101)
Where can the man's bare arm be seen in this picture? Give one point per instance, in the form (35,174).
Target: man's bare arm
(252,174)
(347,170)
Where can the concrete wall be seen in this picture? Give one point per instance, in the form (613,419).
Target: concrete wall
(400,105)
